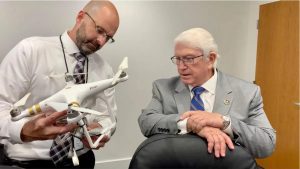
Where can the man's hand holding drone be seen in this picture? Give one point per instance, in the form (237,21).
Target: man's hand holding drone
(43,127)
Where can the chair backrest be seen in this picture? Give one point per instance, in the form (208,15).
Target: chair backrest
(186,151)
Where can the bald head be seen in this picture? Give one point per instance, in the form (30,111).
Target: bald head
(95,24)
(94,7)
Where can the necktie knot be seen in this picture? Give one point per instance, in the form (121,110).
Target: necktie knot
(198,90)
(80,57)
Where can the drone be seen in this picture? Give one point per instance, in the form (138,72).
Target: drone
(71,97)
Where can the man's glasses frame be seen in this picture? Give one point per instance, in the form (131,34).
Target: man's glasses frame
(101,31)
(187,60)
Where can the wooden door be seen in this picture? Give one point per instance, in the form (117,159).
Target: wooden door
(277,73)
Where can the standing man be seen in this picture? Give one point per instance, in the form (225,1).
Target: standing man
(38,65)
(203,100)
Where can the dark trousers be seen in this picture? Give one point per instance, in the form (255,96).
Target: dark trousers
(86,161)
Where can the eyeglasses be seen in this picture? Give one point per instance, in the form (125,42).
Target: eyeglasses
(101,31)
(188,60)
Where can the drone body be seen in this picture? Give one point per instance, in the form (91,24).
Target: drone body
(71,94)
(71,97)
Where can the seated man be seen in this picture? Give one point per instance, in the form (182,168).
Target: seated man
(223,110)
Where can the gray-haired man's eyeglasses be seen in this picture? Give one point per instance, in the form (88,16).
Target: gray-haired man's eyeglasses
(188,60)
(101,31)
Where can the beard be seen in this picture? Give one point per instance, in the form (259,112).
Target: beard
(85,45)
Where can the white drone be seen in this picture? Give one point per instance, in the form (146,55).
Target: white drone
(71,97)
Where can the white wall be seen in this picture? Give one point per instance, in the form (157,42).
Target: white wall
(146,36)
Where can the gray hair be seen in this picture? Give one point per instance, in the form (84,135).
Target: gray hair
(198,38)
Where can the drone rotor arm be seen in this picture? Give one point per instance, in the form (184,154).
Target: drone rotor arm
(33,110)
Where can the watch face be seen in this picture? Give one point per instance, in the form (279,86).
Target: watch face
(226,122)
(226,118)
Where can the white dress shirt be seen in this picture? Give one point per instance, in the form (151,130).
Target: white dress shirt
(208,98)
(36,65)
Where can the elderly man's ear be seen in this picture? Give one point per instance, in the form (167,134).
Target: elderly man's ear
(212,58)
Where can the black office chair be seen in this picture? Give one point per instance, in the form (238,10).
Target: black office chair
(186,151)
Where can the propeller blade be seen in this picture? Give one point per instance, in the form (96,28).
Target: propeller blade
(22,101)
(116,77)
(85,110)
(57,106)
(122,66)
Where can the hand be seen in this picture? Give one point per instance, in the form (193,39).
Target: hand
(43,127)
(216,140)
(199,119)
(94,138)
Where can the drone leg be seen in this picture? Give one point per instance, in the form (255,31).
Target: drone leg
(104,132)
(86,133)
(75,159)
(89,139)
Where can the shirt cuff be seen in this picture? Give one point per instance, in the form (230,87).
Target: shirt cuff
(228,130)
(182,126)
(105,123)
(15,131)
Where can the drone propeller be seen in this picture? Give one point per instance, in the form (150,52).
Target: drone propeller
(57,106)
(85,110)
(22,101)
(122,66)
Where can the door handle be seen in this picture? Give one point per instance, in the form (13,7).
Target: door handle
(298,104)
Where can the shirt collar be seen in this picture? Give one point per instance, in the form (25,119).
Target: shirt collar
(69,45)
(211,84)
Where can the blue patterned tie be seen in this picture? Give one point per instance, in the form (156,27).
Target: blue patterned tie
(197,103)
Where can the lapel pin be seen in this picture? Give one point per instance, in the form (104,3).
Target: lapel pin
(226,102)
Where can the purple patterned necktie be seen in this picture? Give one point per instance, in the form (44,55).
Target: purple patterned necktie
(78,73)
(61,147)
(63,144)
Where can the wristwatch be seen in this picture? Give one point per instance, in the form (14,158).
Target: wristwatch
(226,122)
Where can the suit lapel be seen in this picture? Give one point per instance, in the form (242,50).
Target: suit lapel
(182,97)
(223,99)
(224,95)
